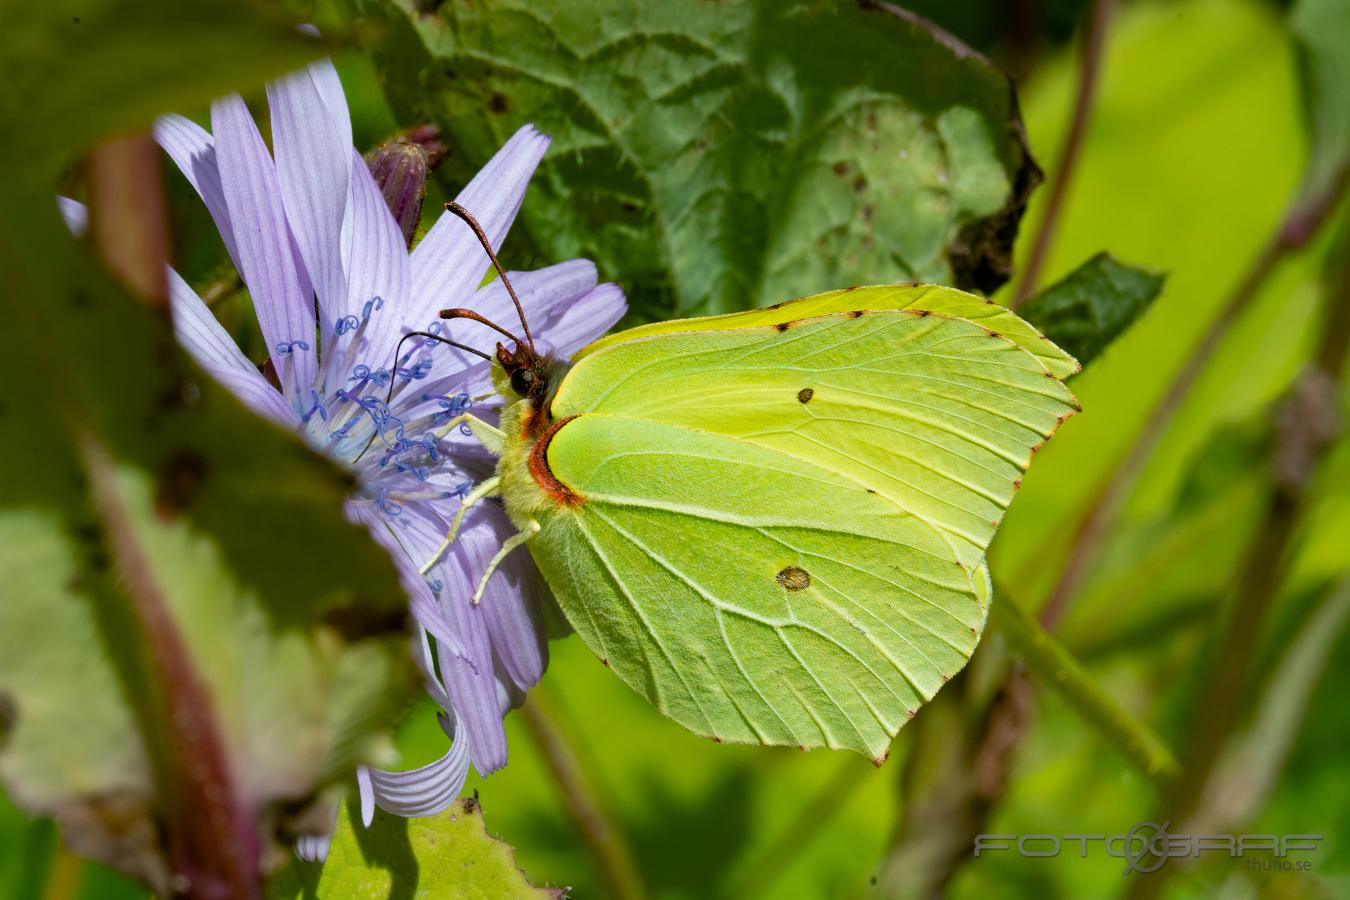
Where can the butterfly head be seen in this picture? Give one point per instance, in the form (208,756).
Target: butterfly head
(525,374)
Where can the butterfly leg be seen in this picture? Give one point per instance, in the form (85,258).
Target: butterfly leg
(487,488)
(511,543)
(490,437)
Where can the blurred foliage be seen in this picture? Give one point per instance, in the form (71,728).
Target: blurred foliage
(171,608)
(1323,30)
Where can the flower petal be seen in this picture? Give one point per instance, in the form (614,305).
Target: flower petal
(449,262)
(377,267)
(266,259)
(468,675)
(313,848)
(540,291)
(424,791)
(548,296)
(312,142)
(193,151)
(586,318)
(426,610)
(75,214)
(213,348)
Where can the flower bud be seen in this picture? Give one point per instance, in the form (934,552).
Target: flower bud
(400,169)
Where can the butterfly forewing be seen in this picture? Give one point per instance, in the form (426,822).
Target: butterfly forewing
(938,414)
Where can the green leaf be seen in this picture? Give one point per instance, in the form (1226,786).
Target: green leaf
(1093,305)
(194,642)
(450,855)
(1323,31)
(714,157)
(73,70)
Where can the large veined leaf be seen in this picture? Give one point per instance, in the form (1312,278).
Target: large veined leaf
(193,642)
(450,855)
(713,157)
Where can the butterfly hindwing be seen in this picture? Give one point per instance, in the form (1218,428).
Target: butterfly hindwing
(751,596)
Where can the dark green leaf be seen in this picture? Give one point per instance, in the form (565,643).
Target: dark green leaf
(1093,305)
(436,858)
(713,157)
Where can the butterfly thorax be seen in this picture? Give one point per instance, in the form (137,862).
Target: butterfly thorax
(527,382)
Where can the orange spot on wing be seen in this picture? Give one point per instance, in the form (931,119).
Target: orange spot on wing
(543,475)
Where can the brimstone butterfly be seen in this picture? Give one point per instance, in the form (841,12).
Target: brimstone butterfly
(772,524)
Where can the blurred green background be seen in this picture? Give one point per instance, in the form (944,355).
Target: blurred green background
(1195,150)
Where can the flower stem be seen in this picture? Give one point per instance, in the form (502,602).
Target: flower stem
(212,841)
(603,840)
(1057,668)
(1089,70)
(211,836)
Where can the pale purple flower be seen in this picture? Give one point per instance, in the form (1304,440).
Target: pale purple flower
(308,229)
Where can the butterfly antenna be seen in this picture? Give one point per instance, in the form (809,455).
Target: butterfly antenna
(460,313)
(469,220)
(393,372)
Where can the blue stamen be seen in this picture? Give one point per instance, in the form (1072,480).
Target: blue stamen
(450,407)
(316,407)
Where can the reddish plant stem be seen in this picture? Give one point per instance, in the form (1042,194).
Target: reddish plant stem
(127,215)
(603,840)
(213,845)
(1094,48)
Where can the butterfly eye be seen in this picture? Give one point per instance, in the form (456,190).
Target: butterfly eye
(521,381)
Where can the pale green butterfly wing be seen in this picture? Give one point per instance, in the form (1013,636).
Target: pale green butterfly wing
(783,518)
(936,413)
(932,297)
(750,595)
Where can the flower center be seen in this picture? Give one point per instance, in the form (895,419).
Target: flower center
(375,424)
